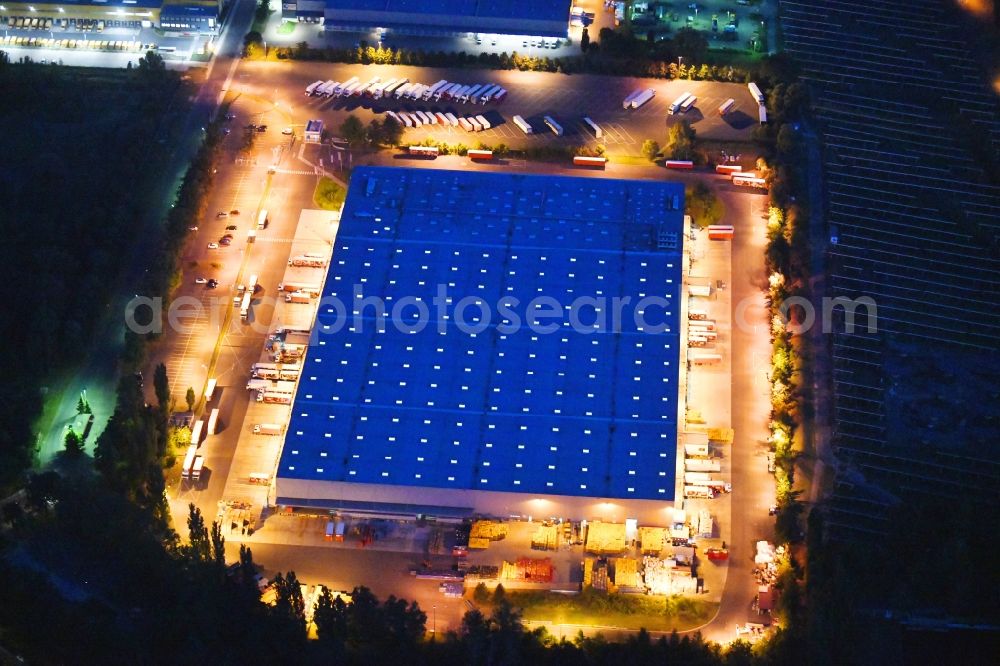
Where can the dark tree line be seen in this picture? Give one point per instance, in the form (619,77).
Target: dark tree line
(617,53)
(80,158)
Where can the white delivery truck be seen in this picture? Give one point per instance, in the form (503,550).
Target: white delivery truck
(245,306)
(702,465)
(698,492)
(642,98)
(486,94)
(310,287)
(699,290)
(553,125)
(470,93)
(678,103)
(192,453)
(308,260)
(274,398)
(261,383)
(197,467)
(430,92)
(339,90)
(695,450)
(705,358)
(522,124)
(390,89)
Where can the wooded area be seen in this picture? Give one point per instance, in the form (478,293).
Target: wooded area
(83,151)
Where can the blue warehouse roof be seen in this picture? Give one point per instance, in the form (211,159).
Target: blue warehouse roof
(578,411)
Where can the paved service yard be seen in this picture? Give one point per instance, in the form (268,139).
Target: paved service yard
(567,98)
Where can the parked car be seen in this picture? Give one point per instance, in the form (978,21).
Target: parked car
(213,246)
(213,283)
(231,227)
(221,215)
(225,241)
(261,128)
(287,131)
(200,280)
(192,228)
(234,212)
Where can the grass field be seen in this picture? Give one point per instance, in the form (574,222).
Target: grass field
(629,611)
(329,195)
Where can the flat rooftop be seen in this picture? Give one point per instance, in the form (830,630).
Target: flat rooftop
(541,10)
(540,17)
(565,403)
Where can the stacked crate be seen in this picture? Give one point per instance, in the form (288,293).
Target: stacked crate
(605,538)
(626,572)
(527,570)
(651,539)
(546,537)
(488,529)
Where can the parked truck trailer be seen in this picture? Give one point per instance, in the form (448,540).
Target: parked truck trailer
(642,98)
(267,429)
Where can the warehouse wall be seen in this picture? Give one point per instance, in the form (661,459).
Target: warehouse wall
(446,502)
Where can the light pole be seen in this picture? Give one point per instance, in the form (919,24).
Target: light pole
(435,621)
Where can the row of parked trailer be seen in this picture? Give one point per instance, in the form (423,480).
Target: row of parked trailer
(472,123)
(419,118)
(403,88)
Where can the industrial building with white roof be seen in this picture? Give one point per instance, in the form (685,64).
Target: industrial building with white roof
(475,403)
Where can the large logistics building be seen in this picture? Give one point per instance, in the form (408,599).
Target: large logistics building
(494,344)
(198,16)
(540,18)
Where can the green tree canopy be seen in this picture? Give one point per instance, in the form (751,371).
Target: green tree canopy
(680,141)
(650,149)
(352,130)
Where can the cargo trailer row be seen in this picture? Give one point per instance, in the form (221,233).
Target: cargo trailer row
(453,92)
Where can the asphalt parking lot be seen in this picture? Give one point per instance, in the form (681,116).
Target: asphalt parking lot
(531,95)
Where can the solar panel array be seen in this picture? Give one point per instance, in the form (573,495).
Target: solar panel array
(583,410)
(908,121)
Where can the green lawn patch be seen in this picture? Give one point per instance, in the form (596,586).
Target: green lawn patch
(329,194)
(286,28)
(630,611)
